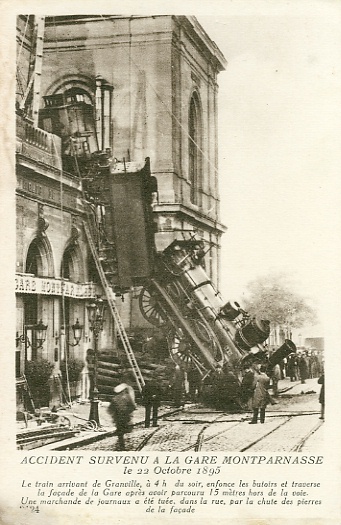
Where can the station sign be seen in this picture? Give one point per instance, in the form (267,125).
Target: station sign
(29,284)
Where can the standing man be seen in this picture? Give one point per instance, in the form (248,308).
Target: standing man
(292,367)
(260,397)
(275,375)
(321,397)
(178,386)
(194,383)
(90,361)
(314,365)
(151,399)
(248,384)
(303,366)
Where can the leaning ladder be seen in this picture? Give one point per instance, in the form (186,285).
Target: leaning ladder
(114,312)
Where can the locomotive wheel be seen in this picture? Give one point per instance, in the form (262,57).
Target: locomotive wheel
(150,308)
(205,335)
(179,296)
(181,352)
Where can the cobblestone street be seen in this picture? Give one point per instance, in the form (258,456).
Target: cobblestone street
(292,424)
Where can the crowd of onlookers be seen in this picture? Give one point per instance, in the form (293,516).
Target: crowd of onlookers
(299,366)
(258,379)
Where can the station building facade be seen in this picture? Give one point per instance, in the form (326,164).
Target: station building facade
(145,87)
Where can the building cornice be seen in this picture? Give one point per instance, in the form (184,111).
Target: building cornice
(190,24)
(201,38)
(196,216)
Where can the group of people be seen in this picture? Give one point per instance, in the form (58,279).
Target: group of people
(297,367)
(123,403)
(256,383)
(257,380)
(301,366)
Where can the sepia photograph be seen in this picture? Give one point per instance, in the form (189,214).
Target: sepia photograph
(175,199)
(122,323)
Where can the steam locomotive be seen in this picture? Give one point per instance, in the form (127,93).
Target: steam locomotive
(203,330)
(177,295)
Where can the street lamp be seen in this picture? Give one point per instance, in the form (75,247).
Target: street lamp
(96,312)
(77,333)
(37,340)
(39,331)
(77,330)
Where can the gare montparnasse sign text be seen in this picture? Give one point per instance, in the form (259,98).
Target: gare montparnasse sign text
(25,283)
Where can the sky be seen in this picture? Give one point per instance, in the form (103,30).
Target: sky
(279,142)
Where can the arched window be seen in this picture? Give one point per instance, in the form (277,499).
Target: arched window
(194,148)
(36,264)
(67,265)
(92,270)
(72,269)
(39,259)
(68,269)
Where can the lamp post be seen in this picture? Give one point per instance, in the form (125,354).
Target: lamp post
(96,312)
(39,331)
(77,330)
(39,337)
(40,334)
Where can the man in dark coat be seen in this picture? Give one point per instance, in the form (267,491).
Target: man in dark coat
(194,383)
(90,360)
(321,397)
(247,386)
(303,366)
(151,399)
(292,367)
(260,398)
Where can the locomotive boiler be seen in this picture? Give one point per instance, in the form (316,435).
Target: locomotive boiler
(202,329)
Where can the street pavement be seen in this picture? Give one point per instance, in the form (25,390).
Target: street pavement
(78,414)
(294,399)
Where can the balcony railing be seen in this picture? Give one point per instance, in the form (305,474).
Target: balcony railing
(37,144)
